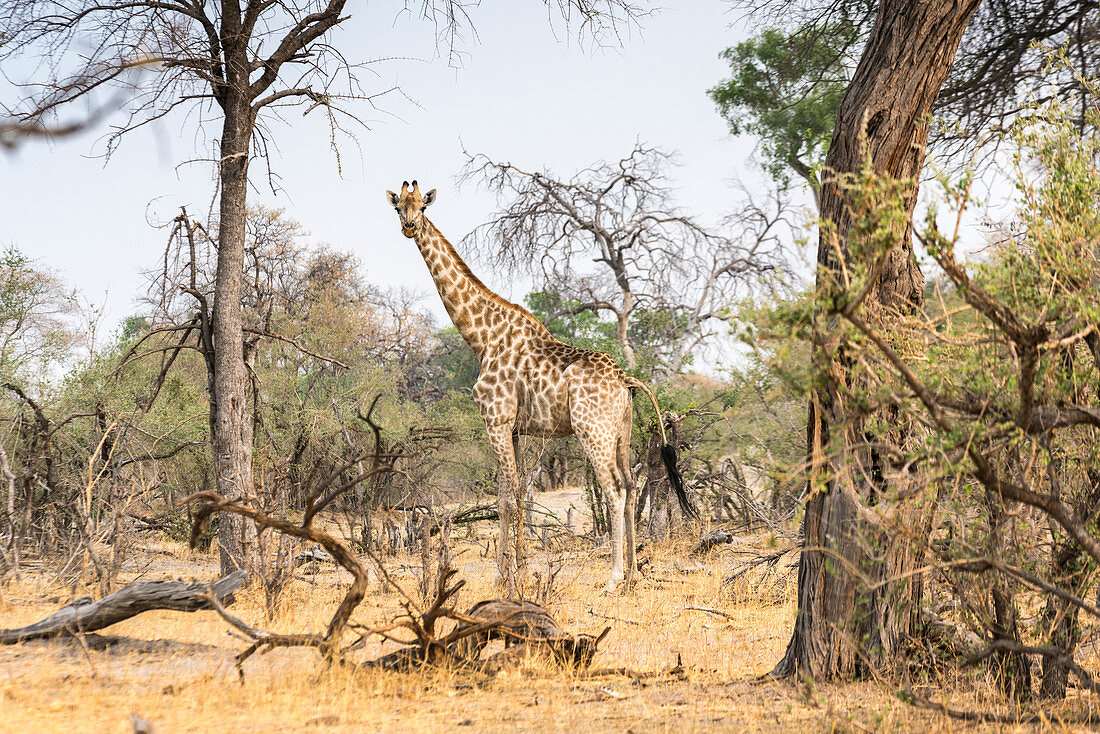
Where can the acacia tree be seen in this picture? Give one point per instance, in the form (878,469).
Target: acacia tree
(845,618)
(786,83)
(660,275)
(859,602)
(237,62)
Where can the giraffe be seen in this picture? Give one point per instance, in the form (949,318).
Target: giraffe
(532,384)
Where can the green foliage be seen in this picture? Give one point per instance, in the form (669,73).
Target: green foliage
(785,87)
(579,328)
(985,400)
(649,331)
(129,428)
(457,363)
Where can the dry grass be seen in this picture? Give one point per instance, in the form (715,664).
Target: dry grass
(177,669)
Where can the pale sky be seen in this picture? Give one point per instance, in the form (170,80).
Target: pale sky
(526,92)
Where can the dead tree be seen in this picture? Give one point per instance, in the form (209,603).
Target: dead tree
(84,615)
(659,271)
(233,64)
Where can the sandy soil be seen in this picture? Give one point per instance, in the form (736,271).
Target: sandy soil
(177,670)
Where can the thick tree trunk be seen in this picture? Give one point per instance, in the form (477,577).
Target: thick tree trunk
(232,424)
(843,625)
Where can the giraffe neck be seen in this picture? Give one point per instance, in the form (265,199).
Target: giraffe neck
(473,308)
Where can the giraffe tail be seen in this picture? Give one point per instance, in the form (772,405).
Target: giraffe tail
(668,453)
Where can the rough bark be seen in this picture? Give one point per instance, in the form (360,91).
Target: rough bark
(658,488)
(842,625)
(1014,668)
(84,615)
(232,425)
(1059,622)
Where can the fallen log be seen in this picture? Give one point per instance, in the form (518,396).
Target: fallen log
(85,615)
(527,626)
(526,629)
(712,540)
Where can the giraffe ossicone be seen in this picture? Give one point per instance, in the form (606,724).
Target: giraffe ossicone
(534,385)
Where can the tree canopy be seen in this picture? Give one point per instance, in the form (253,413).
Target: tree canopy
(786,82)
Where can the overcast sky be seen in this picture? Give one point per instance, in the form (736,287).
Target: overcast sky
(527,92)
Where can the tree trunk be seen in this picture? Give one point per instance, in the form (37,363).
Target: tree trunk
(842,625)
(657,487)
(1070,570)
(232,424)
(1014,668)
(85,615)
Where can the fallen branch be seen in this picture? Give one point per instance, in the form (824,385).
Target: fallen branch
(85,615)
(478,513)
(262,639)
(709,610)
(769,561)
(676,672)
(526,629)
(213,503)
(1047,718)
(326,491)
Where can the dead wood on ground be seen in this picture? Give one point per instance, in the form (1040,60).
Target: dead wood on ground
(712,540)
(526,629)
(85,615)
(440,635)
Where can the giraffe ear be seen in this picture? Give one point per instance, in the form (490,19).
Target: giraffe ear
(391,198)
(429,198)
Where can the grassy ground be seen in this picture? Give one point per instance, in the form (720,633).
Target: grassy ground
(176,670)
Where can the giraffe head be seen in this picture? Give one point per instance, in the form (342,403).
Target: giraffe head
(410,206)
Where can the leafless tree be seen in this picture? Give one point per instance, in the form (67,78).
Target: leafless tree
(233,65)
(653,262)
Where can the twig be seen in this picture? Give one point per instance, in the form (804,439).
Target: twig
(909,696)
(709,610)
(624,620)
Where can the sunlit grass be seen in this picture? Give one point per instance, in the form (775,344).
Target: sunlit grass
(189,682)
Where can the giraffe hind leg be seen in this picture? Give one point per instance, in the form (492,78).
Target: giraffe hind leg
(626,483)
(602,456)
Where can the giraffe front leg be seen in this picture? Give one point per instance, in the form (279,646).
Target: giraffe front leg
(509,541)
